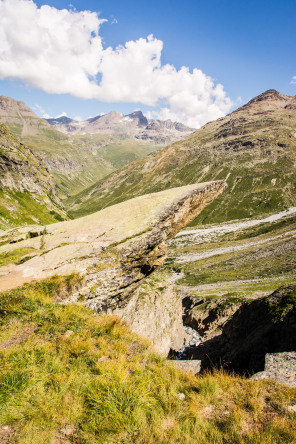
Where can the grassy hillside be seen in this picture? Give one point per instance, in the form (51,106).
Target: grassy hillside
(18,209)
(254,148)
(76,161)
(27,192)
(69,375)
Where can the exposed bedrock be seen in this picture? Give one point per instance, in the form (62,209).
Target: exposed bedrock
(113,250)
(258,328)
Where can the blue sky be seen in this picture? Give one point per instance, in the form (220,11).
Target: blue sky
(248,47)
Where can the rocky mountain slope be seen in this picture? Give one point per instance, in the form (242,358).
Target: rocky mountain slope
(218,267)
(79,157)
(113,251)
(254,148)
(27,191)
(265,325)
(134,125)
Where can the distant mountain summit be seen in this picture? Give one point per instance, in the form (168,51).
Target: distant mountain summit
(253,148)
(10,107)
(134,125)
(77,159)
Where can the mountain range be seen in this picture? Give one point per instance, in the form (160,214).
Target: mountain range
(134,125)
(73,371)
(91,150)
(253,149)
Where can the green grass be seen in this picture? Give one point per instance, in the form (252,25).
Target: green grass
(15,257)
(17,209)
(23,206)
(261,180)
(68,370)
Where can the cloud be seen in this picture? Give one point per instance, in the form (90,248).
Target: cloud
(61,51)
(39,108)
(57,51)
(293,81)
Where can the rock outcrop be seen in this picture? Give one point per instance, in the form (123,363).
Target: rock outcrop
(207,317)
(24,179)
(113,251)
(280,367)
(263,326)
(192,366)
(155,311)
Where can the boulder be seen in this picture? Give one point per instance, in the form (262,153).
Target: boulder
(280,367)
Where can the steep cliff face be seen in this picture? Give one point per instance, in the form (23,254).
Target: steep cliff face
(261,327)
(113,251)
(253,148)
(27,191)
(155,311)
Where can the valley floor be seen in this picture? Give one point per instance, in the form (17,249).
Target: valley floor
(248,258)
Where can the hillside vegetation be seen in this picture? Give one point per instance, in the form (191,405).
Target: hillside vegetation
(27,191)
(75,161)
(253,149)
(69,375)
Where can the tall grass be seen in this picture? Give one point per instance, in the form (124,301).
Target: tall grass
(70,375)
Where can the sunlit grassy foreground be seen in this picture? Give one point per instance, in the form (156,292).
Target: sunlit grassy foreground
(69,375)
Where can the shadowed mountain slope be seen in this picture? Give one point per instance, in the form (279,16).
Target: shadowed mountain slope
(253,148)
(27,191)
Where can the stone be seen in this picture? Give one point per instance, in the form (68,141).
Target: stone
(259,338)
(181,396)
(155,312)
(280,367)
(192,365)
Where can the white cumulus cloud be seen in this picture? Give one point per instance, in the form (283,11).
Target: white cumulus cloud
(293,81)
(61,51)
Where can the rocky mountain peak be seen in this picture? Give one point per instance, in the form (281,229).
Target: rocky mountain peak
(138,115)
(270,99)
(60,120)
(10,107)
(134,125)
